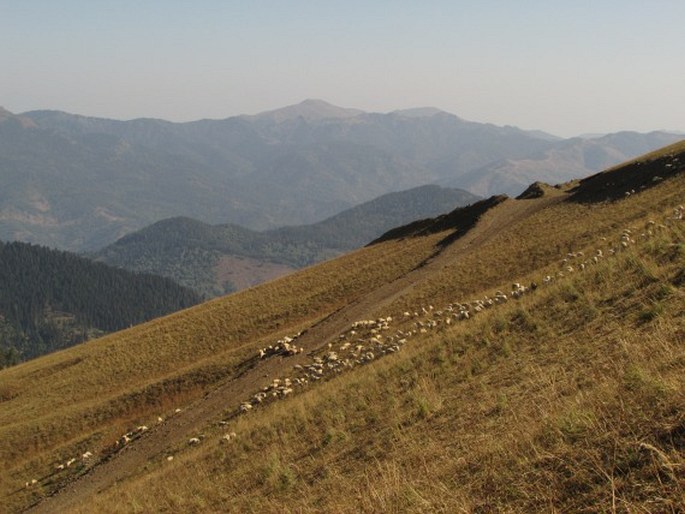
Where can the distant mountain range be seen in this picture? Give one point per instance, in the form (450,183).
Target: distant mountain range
(568,159)
(217,259)
(51,300)
(80,183)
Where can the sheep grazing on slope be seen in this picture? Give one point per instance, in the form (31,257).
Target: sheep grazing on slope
(283,347)
(227,437)
(500,297)
(518,290)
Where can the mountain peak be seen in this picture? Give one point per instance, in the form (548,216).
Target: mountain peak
(311,109)
(418,112)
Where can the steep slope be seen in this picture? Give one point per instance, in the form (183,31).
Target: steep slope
(570,159)
(51,300)
(632,177)
(565,396)
(218,259)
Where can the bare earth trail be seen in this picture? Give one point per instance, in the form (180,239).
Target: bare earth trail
(161,439)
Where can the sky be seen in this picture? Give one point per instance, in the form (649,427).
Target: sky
(567,67)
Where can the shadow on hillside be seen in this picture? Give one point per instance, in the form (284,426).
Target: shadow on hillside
(460,220)
(617,183)
(539,189)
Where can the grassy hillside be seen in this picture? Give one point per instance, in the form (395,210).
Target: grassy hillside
(217,259)
(567,399)
(51,300)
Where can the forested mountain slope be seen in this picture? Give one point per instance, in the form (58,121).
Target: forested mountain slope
(216,259)
(51,300)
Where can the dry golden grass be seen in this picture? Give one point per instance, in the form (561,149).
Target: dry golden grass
(85,397)
(570,399)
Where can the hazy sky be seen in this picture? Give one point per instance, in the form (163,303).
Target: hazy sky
(566,67)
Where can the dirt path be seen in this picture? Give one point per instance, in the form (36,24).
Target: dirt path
(158,440)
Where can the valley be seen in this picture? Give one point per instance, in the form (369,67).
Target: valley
(219,259)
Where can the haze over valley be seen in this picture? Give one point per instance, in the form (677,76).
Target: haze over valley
(80,183)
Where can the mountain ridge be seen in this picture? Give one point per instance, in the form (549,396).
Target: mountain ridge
(310,109)
(79,183)
(571,158)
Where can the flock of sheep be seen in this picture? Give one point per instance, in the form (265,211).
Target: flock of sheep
(62,466)
(283,347)
(367,340)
